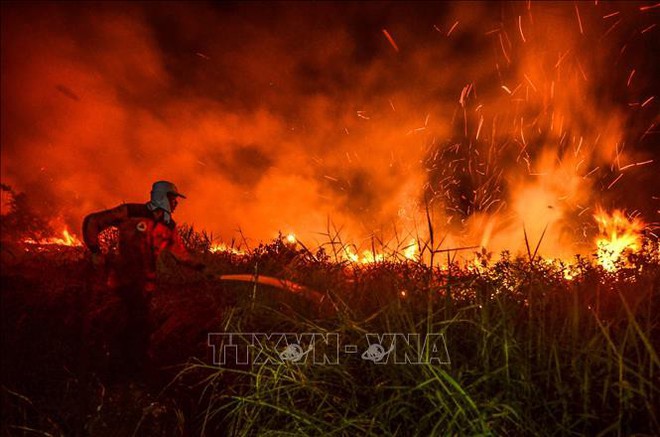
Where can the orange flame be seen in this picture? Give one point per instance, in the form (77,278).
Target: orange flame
(221,247)
(67,239)
(618,234)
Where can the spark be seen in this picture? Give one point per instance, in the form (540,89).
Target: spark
(615,181)
(590,173)
(530,82)
(613,14)
(503,49)
(648,28)
(646,8)
(584,210)
(618,153)
(465,92)
(648,131)
(577,13)
(391,40)
(452,28)
(552,95)
(632,73)
(584,76)
(647,101)
(579,147)
(561,58)
(611,28)
(522,35)
(637,164)
(481,122)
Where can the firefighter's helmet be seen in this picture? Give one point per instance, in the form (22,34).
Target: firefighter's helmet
(161,188)
(159,200)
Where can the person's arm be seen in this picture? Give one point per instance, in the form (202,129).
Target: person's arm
(182,254)
(179,250)
(97,222)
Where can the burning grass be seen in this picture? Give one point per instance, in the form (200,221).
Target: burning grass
(536,347)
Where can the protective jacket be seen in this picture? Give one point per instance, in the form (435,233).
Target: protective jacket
(142,238)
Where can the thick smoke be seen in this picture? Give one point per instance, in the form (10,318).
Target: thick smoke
(289,116)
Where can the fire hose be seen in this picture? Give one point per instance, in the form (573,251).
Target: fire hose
(282,284)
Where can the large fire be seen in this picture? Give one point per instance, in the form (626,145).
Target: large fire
(438,126)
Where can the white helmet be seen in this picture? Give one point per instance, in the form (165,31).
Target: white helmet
(159,200)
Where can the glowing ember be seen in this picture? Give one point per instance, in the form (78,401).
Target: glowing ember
(618,234)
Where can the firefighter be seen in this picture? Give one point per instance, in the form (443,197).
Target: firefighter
(144,232)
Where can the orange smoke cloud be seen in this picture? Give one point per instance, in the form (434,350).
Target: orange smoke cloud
(275,117)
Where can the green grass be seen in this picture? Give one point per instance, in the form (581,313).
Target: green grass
(531,353)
